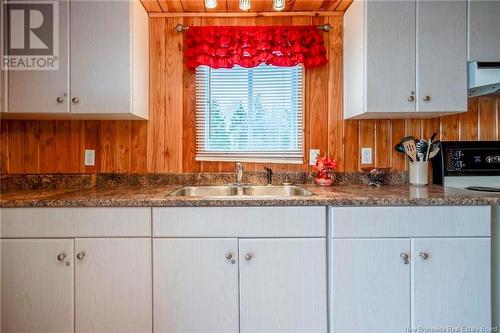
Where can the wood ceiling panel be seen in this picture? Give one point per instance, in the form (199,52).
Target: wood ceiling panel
(174,6)
(329,4)
(343,5)
(232,6)
(193,5)
(306,5)
(261,5)
(221,7)
(151,6)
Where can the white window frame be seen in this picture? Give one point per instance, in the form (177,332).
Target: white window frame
(203,153)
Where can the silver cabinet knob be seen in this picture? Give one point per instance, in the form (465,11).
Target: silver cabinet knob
(80,255)
(427,98)
(248,256)
(229,256)
(405,258)
(61,256)
(75,100)
(60,100)
(411,98)
(423,255)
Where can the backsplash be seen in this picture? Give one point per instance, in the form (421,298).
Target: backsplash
(77,181)
(166,143)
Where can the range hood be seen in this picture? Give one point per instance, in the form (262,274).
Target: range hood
(483,78)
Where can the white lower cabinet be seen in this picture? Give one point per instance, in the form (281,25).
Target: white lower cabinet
(108,289)
(283,285)
(113,285)
(370,285)
(451,282)
(195,285)
(238,269)
(431,274)
(269,285)
(36,285)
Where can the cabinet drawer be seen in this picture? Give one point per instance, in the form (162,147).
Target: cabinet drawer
(435,221)
(75,222)
(239,222)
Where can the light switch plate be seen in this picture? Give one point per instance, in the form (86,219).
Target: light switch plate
(313,153)
(366,156)
(89,157)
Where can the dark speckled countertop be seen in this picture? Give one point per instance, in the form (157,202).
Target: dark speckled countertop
(158,196)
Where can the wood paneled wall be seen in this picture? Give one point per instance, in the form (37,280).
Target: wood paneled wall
(166,143)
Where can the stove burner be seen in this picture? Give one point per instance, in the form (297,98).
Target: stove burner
(483,188)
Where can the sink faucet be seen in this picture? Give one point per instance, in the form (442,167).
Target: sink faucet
(269,175)
(239,173)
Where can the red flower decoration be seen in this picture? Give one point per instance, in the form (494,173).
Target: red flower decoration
(225,47)
(324,167)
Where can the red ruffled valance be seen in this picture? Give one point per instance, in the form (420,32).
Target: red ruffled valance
(250,46)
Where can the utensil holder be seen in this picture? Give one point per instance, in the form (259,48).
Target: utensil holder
(419,173)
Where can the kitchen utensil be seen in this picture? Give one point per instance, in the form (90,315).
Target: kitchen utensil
(433,153)
(399,147)
(429,144)
(421,148)
(410,148)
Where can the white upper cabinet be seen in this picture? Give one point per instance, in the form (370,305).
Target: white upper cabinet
(109,67)
(483,30)
(103,66)
(43,91)
(390,64)
(390,83)
(441,56)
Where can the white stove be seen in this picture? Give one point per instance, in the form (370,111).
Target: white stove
(475,166)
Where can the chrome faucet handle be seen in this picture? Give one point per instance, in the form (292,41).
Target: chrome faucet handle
(239,173)
(269,175)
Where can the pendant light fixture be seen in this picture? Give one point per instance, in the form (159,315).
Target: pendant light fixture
(244,4)
(278,5)
(210,4)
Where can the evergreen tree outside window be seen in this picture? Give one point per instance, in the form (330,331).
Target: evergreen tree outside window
(249,114)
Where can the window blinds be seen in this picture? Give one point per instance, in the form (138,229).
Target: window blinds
(249,114)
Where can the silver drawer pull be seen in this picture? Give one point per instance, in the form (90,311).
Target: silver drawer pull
(405,258)
(423,255)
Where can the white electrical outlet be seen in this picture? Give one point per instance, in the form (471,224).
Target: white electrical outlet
(313,154)
(89,157)
(366,156)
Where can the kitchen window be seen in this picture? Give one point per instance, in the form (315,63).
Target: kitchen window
(249,114)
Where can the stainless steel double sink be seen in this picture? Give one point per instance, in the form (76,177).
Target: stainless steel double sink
(244,190)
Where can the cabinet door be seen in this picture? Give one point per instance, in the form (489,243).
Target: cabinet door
(483,31)
(283,285)
(390,56)
(195,285)
(101,56)
(36,285)
(441,56)
(37,91)
(451,283)
(113,285)
(370,285)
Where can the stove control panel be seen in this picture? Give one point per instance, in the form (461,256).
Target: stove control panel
(472,159)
